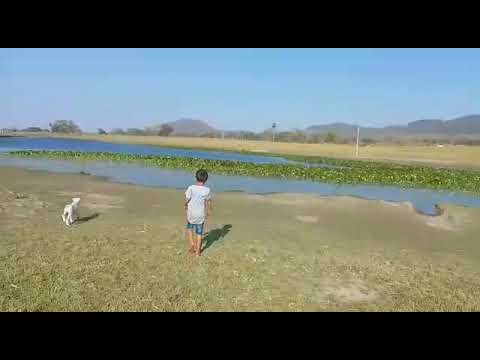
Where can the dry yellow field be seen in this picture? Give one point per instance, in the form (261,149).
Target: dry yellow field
(448,155)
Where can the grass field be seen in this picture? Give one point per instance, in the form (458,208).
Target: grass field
(449,155)
(266,253)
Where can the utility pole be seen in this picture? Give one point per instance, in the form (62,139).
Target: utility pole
(358,136)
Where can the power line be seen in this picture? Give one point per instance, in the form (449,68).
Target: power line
(358,135)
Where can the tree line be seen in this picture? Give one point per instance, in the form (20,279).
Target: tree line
(296,136)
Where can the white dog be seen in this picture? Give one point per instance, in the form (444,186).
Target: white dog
(70,212)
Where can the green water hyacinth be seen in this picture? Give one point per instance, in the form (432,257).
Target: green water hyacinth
(347,172)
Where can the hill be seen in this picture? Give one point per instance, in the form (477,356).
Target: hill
(188,127)
(462,126)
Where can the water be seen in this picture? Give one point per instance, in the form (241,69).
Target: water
(423,200)
(26,143)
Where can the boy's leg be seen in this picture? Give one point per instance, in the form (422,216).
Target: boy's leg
(199,244)
(190,240)
(199,236)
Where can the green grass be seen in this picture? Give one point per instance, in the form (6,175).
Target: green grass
(133,257)
(107,274)
(348,171)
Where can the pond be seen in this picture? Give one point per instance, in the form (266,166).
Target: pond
(424,201)
(27,143)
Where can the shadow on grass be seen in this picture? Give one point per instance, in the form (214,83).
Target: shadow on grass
(215,235)
(84,219)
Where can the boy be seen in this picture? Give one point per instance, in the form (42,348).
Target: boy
(198,207)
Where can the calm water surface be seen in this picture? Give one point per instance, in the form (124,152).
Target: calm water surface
(423,200)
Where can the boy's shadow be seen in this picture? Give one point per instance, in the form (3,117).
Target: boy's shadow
(215,235)
(84,219)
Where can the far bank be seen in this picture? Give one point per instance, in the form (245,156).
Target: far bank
(458,156)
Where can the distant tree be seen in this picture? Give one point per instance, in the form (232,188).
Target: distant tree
(296,136)
(135,131)
(389,139)
(331,137)
(101,132)
(117,131)
(242,135)
(315,139)
(281,136)
(369,141)
(151,131)
(211,134)
(347,140)
(250,135)
(165,130)
(65,126)
(465,141)
(32,129)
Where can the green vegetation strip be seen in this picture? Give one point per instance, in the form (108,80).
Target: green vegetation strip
(349,172)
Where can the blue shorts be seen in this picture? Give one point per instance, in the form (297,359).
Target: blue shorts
(198,228)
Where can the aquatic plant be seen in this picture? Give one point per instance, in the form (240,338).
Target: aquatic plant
(348,172)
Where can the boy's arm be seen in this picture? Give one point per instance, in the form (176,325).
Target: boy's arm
(188,195)
(208,207)
(186,208)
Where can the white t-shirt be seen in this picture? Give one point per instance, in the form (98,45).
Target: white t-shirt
(198,195)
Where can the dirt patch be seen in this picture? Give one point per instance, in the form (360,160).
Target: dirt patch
(104,198)
(451,221)
(347,292)
(101,207)
(25,207)
(69,194)
(447,221)
(97,202)
(307,218)
(338,202)
(406,205)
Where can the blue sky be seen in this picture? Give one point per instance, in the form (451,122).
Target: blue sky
(236,88)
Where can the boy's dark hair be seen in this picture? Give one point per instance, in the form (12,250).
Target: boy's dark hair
(201,175)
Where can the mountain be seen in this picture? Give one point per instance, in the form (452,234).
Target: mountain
(465,126)
(189,127)
(341,129)
(462,126)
